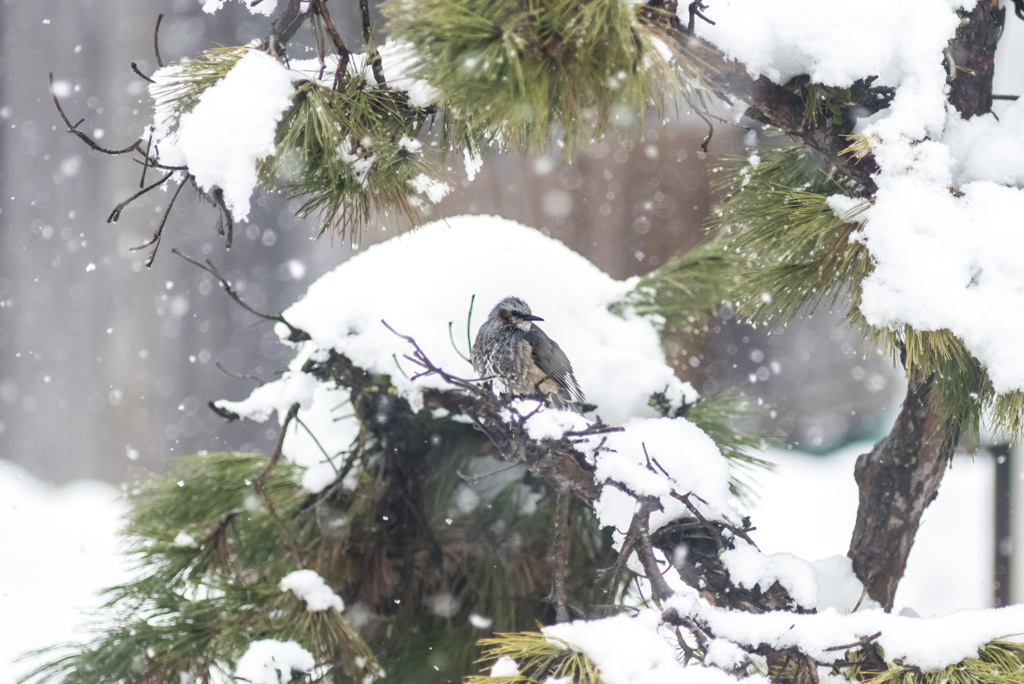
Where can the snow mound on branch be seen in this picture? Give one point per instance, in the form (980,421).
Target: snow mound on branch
(311,588)
(948,259)
(272,662)
(943,229)
(928,643)
(234,125)
(945,239)
(656,457)
(422,284)
(837,44)
(642,652)
(750,568)
(948,262)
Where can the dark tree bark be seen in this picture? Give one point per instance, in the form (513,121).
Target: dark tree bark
(897,479)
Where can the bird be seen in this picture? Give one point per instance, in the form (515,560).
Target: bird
(521,360)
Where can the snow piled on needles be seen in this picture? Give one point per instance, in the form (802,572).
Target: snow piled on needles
(943,230)
(234,124)
(422,284)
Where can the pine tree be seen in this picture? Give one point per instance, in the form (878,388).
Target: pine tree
(423,579)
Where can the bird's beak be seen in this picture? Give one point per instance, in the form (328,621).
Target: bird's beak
(531,317)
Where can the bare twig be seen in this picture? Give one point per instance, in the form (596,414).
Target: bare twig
(138,72)
(260,486)
(116,213)
(73,128)
(148,159)
(343,52)
(156,40)
(238,376)
(155,240)
(225,221)
(294,334)
(695,11)
(473,479)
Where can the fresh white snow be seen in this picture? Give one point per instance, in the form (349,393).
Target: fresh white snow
(269,661)
(311,588)
(264,7)
(234,125)
(617,360)
(943,230)
(59,546)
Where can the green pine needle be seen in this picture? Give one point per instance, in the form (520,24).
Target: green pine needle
(350,155)
(539,657)
(512,71)
(998,662)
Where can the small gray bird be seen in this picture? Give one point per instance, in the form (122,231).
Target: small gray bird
(521,359)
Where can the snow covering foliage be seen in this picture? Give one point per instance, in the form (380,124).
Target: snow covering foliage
(643,650)
(234,123)
(684,459)
(311,588)
(265,7)
(68,537)
(928,643)
(617,360)
(273,662)
(943,227)
(233,126)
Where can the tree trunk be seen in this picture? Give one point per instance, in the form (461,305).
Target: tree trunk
(897,481)
(900,476)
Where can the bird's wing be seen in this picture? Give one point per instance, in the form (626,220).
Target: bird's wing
(550,358)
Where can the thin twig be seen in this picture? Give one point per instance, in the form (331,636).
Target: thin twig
(318,444)
(148,159)
(238,376)
(260,486)
(155,240)
(294,334)
(343,52)
(695,11)
(73,128)
(138,72)
(115,215)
